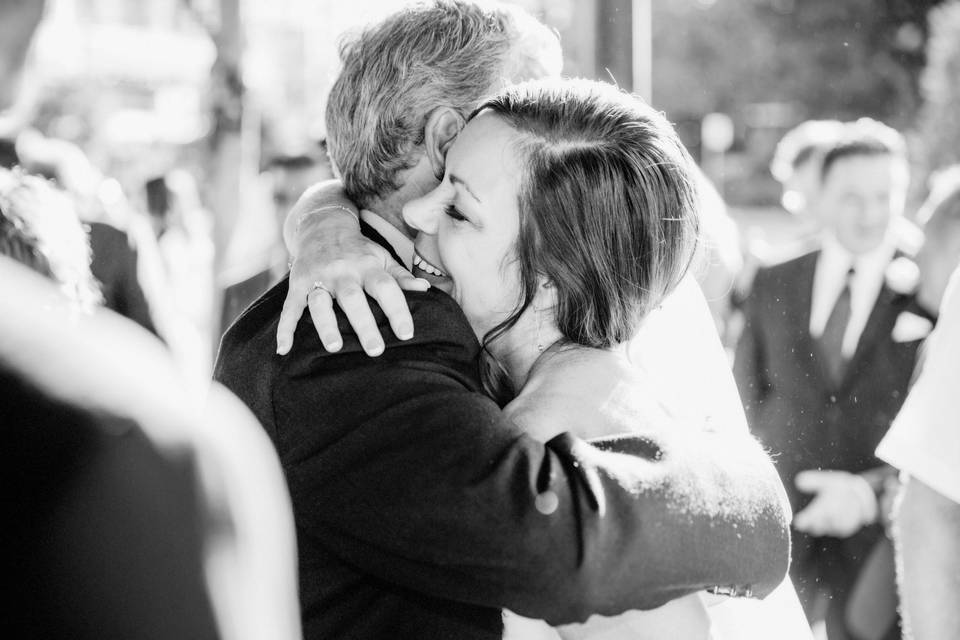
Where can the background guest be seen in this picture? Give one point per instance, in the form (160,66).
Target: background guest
(823,365)
(125,259)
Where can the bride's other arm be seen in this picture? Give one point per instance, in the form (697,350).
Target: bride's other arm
(322,233)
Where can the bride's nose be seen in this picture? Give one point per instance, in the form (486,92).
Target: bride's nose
(423,214)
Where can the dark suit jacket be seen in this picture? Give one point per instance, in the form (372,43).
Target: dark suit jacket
(415,500)
(803,419)
(240,295)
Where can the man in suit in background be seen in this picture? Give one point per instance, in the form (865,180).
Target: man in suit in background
(421,510)
(824,362)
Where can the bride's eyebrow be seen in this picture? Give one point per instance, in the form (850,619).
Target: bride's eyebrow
(455,180)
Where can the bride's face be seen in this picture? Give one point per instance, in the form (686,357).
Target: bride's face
(469,224)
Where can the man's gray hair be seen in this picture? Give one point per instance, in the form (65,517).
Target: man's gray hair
(445,53)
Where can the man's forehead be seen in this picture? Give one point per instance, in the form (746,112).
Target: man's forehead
(861,165)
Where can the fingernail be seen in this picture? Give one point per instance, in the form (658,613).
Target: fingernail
(373,348)
(334,346)
(282,348)
(405,331)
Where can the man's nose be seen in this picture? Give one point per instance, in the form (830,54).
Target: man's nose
(423,213)
(878,212)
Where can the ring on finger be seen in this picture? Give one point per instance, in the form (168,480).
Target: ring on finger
(318,286)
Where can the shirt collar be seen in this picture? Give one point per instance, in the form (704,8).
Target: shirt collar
(869,266)
(401,244)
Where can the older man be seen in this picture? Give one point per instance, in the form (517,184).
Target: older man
(421,511)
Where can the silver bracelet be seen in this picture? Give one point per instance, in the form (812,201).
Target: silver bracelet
(303,216)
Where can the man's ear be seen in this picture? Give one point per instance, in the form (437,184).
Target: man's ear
(443,126)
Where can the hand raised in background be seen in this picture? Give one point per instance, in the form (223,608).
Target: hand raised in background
(843,504)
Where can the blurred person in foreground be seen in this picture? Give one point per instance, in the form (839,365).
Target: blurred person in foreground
(940,253)
(823,365)
(924,443)
(92,493)
(290,174)
(142,508)
(421,508)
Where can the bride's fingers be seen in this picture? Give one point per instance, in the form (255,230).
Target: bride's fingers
(354,303)
(383,288)
(406,280)
(324,319)
(293,308)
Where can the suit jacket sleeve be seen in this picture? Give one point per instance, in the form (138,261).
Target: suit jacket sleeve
(396,465)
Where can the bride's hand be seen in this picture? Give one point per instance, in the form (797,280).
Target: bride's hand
(335,262)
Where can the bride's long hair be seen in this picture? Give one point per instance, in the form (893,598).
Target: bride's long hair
(608,210)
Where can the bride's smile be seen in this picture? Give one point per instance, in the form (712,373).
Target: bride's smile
(469,224)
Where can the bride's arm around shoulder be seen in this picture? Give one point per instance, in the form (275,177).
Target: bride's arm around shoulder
(715,505)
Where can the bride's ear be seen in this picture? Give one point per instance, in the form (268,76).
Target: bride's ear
(443,126)
(546,292)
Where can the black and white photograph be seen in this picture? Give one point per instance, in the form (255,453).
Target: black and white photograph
(480,319)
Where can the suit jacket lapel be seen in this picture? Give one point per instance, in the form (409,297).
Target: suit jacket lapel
(878,328)
(804,303)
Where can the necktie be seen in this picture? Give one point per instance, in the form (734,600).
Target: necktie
(832,339)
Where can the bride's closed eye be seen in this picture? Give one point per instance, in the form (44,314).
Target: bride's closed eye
(454,213)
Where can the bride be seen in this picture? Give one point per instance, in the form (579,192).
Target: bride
(566,215)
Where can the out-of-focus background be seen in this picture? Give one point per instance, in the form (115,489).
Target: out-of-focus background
(200,114)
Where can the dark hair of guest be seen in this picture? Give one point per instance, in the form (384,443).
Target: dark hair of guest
(608,206)
(865,137)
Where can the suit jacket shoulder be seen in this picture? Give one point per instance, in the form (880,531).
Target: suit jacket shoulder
(786,272)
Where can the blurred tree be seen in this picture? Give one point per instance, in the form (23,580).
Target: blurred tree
(834,59)
(771,63)
(940,115)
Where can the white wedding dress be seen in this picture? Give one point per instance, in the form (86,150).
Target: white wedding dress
(683,368)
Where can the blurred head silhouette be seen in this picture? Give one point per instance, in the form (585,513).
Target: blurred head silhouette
(797,162)
(863,189)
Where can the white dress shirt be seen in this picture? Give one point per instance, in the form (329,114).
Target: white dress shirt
(398,240)
(829,279)
(924,440)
